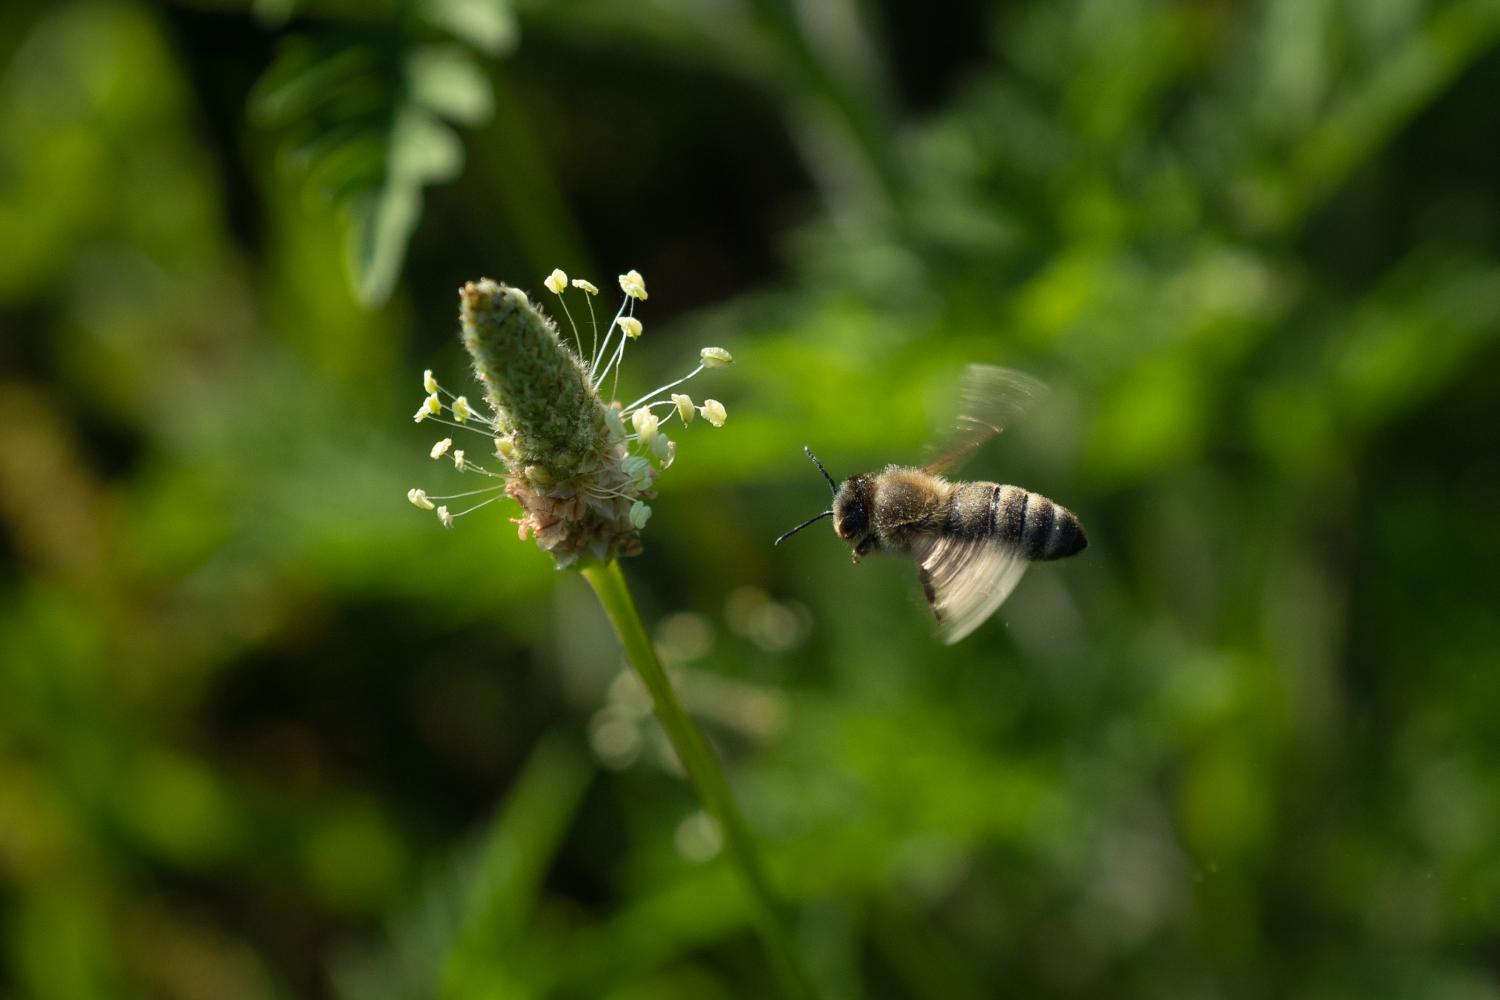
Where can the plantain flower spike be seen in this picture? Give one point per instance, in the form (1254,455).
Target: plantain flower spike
(581,466)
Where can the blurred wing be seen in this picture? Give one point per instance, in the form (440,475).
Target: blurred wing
(966,580)
(989,399)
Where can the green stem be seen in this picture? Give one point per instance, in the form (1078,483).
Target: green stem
(703,771)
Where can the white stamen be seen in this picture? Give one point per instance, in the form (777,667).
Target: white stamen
(657,392)
(615,358)
(466,493)
(482,503)
(609,332)
(484,431)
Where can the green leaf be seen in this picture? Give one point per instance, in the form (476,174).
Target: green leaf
(423,150)
(466,933)
(446,81)
(306,77)
(488,25)
(273,13)
(364,122)
(380,223)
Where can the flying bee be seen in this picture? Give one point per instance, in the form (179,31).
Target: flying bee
(972,541)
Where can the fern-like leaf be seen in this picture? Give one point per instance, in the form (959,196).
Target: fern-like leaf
(366,114)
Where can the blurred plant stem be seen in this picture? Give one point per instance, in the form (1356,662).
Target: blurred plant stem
(703,771)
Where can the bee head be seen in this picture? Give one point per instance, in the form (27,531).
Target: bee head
(851,507)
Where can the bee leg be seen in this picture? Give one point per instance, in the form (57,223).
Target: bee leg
(930,592)
(868,543)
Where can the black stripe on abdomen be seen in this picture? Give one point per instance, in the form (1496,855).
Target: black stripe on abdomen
(1040,529)
(1009,505)
(1036,530)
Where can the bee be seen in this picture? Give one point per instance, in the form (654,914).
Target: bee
(972,541)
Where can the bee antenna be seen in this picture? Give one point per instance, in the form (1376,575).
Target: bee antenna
(812,520)
(831,484)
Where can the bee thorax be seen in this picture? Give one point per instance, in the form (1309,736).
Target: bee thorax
(907,502)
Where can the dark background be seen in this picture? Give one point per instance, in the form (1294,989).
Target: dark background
(267,730)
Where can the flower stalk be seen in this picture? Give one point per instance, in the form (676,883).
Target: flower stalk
(581,467)
(703,771)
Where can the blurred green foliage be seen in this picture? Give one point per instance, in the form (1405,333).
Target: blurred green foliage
(365,111)
(265,730)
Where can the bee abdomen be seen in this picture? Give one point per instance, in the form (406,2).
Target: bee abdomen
(1041,529)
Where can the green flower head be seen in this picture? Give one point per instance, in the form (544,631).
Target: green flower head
(581,468)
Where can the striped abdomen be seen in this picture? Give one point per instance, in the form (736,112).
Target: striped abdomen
(1039,528)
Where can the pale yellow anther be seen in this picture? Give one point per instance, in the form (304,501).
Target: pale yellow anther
(458,460)
(715,357)
(639,515)
(685,408)
(429,406)
(505,448)
(445,517)
(630,326)
(418,498)
(557,281)
(645,424)
(461,409)
(587,286)
(713,411)
(441,448)
(632,284)
(429,384)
